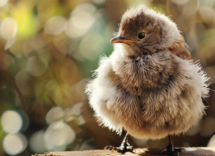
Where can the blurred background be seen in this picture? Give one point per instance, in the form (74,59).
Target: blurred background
(48,51)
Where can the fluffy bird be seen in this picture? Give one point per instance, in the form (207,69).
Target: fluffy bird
(149,86)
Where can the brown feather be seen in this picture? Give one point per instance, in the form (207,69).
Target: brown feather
(180,50)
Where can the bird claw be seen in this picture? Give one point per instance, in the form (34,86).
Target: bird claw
(122,149)
(112,148)
(173,151)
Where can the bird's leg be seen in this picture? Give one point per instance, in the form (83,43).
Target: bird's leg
(170,149)
(124,147)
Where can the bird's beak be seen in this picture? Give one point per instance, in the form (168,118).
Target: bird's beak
(120,39)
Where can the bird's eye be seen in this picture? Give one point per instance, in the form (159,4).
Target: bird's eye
(141,35)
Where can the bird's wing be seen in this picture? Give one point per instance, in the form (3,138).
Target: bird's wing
(180,50)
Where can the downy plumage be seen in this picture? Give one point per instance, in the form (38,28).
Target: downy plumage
(149,86)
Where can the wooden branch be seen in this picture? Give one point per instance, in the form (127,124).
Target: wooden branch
(206,151)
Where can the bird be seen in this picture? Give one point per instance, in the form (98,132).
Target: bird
(149,86)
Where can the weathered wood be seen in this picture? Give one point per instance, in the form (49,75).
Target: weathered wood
(207,151)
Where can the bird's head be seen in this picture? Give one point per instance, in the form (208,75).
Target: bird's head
(143,30)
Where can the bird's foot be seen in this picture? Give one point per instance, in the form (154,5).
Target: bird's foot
(173,151)
(125,147)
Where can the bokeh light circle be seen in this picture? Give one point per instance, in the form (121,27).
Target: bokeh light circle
(88,44)
(3,2)
(8,28)
(55,25)
(11,121)
(81,20)
(14,144)
(54,114)
(84,7)
(211,142)
(37,142)
(59,134)
(76,109)
(82,121)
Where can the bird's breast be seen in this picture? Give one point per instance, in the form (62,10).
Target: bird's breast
(145,73)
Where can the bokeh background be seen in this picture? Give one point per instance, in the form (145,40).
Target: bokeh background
(48,51)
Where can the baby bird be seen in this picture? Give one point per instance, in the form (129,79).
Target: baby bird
(149,86)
